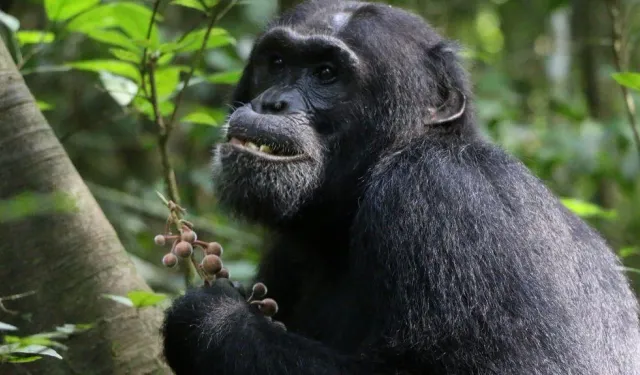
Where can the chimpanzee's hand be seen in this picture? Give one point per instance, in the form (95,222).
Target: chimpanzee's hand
(202,319)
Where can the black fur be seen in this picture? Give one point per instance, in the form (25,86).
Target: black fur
(401,245)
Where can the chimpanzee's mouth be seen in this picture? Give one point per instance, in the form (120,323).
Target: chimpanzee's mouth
(267,150)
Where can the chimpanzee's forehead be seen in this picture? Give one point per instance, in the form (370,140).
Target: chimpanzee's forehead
(324,23)
(326,18)
(327,23)
(358,20)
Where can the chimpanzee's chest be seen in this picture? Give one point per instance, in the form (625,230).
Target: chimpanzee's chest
(328,311)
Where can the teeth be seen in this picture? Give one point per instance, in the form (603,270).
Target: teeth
(266,149)
(250,145)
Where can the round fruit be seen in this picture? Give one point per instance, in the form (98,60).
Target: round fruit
(223,273)
(268,306)
(259,290)
(214,248)
(159,240)
(189,236)
(170,260)
(211,264)
(183,249)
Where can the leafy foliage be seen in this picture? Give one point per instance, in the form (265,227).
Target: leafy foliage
(138,298)
(588,210)
(630,80)
(16,349)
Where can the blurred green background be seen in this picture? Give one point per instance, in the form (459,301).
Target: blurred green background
(542,76)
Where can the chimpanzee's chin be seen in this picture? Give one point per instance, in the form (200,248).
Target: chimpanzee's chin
(260,190)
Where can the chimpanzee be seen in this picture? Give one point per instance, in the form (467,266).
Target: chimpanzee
(400,240)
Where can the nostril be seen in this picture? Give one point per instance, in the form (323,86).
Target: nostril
(278,106)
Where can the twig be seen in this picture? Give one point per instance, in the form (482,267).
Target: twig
(148,68)
(614,9)
(165,128)
(175,218)
(145,52)
(12,298)
(163,140)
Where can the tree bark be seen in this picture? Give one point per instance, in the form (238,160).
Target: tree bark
(68,259)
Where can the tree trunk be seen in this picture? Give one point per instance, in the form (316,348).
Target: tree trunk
(591,25)
(68,259)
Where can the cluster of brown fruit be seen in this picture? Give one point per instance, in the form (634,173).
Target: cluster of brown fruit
(210,267)
(183,247)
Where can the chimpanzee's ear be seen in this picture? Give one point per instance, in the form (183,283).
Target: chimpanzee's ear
(450,78)
(452,109)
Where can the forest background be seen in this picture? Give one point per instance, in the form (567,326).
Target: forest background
(105,104)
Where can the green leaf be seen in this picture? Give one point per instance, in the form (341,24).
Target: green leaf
(121,89)
(69,329)
(587,210)
(120,299)
(133,19)
(230,78)
(193,41)
(40,350)
(628,251)
(39,339)
(165,59)
(44,106)
(98,18)
(211,3)
(7,327)
(628,79)
(201,116)
(34,37)
(167,79)
(141,298)
(14,359)
(126,55)
(195,4)
(60,10)
(31,349)
(144,107)
(113,37)
(116,67)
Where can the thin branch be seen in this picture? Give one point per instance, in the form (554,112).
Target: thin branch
(169,174)
(145,52)
(614,8)
(164,128)
(12,298)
